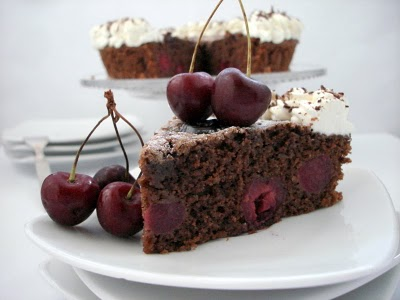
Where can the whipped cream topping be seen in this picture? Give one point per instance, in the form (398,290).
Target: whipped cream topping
(131,32)
(272,27)
(323,110)
(192,30)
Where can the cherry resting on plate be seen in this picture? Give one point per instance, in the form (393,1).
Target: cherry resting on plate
(189,96)
(238,100)
(112,173)
(69,203)
(118,213)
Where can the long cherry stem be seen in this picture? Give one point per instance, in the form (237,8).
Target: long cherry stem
(248,71)
(115,115)
(130,125)
(72,174)
(111,106)
(115,120)
(191,69)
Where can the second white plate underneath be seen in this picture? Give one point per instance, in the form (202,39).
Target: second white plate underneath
(67,131)
(355,238)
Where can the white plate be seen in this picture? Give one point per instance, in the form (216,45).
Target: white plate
(328,246)
(113,155)
(64,278)
(19,150)
(53,148)
(68,130)
(119,289)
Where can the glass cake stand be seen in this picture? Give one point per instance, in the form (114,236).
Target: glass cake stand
(155,88)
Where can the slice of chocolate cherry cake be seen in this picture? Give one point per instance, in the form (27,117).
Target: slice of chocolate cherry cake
(200,183)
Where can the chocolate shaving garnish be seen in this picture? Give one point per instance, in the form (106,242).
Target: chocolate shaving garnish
(336,95)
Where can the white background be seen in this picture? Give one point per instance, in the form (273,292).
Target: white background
(46,50)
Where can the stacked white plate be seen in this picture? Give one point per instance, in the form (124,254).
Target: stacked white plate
(321,255)
(58,140)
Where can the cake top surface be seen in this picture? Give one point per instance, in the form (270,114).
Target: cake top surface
(323,110)
(179,135)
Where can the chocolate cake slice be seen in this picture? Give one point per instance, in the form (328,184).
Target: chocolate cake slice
(200,184)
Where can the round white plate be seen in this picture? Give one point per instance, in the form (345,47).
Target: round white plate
(119,289)
(105,154)
(68,130)
(63,278)
(352,239)
(20,149)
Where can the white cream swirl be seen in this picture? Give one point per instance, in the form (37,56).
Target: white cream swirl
(192,30)
(131,32)
(272,27)
(324,110)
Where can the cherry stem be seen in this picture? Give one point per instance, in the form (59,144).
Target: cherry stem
(130,125)
(191,69)
(115,120)
(111,106)
(115,115)
(248,71)
(130,192)
(72,174)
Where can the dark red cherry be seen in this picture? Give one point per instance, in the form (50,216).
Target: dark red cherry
(315,174)
(238,100)
(117,214)
(69,203)
(164,217)
(189,96)
(261,199)
(112,173)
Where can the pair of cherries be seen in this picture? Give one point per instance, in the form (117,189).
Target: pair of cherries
(108,192)
(70,198)
(234,98)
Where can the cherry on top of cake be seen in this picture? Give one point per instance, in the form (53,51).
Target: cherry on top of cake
(233,97)
(323,110)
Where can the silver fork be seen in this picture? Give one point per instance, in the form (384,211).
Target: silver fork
(38,144)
